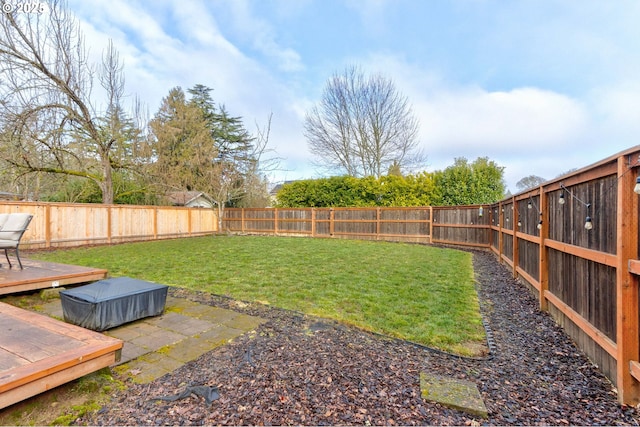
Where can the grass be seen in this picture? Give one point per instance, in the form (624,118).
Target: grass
(63,405)
(414,292)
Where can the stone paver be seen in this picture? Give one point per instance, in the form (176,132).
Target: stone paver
(131,351)
(149,367)
(182,324)
(243,322)
(124,333)
(188,349)
(220,335)
(453,393)
(53,308)
(158,339)
(198,311)
(131,331)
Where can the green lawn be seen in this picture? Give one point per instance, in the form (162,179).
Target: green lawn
(415,292)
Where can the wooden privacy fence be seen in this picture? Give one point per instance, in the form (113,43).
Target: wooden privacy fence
(585,275)
(448,225)
(65,224)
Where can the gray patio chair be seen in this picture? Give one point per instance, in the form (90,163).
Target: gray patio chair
(11,232)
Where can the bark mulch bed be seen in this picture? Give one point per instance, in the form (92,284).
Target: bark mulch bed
(307,371)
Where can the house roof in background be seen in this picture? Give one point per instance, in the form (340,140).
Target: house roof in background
(277,188)
(5,195)
(182,198)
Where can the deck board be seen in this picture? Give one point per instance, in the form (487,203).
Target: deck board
(38,353)
(41,275)
(10,360)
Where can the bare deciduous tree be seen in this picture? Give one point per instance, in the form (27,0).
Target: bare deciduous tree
(528,182)
(48,120)
(363,126)
(248,180)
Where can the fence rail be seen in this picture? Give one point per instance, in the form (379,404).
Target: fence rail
(65,225)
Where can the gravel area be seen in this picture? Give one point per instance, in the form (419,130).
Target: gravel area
(307,371)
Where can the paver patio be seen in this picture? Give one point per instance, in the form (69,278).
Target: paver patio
(155,346)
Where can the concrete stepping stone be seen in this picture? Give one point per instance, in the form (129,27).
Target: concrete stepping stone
(453,393)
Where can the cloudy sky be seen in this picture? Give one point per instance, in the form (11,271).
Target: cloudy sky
(538,86)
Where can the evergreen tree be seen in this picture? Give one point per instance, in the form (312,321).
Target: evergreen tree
(184,149)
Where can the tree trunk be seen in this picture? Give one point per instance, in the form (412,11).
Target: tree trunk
(220,216)
(107,182)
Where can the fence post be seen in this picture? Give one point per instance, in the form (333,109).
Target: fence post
(430,224)
(155,224)
(313,222)
(331,216)
(242,221)
(47,226)
(626,285)
(275,221)
(109,224)
(514,227)
(490,221)
(377,223)
(544,264)
(500,234)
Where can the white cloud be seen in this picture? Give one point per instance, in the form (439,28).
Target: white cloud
(263,37)
(617,106)
(474,120)
(372,14)
(528,131)
(184,50)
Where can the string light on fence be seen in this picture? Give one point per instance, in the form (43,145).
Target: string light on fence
(588,224)
(530,205)
(630,167)
(540,222)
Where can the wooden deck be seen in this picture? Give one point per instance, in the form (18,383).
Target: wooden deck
(42,275)
(38,353)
